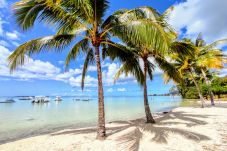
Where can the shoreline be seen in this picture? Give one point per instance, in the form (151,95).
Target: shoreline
(42,131)
(202,129)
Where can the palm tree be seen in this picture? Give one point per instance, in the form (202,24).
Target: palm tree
(72,19)
(186,69)
(208,57)
(132,65)
(143,48)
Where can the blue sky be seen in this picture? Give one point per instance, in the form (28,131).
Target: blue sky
(44,73)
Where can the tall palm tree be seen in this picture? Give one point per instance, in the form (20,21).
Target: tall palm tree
(208,57)
(184,64)
(138,63)
(72,19)
(142,49)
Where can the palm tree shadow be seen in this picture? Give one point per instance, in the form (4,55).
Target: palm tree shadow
(188,119)
(131,141)
(135,130)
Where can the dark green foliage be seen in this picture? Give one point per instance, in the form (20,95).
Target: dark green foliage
(218,86)
(191,93)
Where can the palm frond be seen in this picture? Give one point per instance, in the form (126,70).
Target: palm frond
(56,43)
(182,48)
(134,32)
(88,61)
(211,59)
(199,42)
(56,13)
(99,8)
(131,66)
(27,11)
(150,69)
(117,51)
(169,69)
(82,45)
(215,44)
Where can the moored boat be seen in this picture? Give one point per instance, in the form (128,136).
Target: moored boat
(58,98)
(10,100)
(41,99)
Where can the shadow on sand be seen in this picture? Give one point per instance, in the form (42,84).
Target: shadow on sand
(136,128)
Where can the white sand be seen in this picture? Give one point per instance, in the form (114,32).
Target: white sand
(184,129)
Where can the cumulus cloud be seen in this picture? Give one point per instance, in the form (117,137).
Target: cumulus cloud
(4,43)
(110,90)
(90,81)
(121,89)
(32,69)
(61,62)
(12,35)
(109,74)
(208,17)
(37,69)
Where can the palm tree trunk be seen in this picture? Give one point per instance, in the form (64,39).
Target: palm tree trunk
(149,117)
(101,132)
(209,87)
(198,88)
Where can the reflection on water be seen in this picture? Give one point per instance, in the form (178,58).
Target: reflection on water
(24,118)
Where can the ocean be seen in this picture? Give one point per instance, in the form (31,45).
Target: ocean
(22,118)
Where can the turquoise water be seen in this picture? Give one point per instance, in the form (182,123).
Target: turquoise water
(22,118)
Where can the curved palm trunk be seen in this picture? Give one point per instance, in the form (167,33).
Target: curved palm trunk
(208,83)
(149,117)
(101,132)
(198,88)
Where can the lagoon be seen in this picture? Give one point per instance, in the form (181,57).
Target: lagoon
(22,118)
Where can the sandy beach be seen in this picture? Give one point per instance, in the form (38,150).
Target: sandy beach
(184,128)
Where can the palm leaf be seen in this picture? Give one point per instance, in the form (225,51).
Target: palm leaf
(89,60)
(150,69)
(58,42)
(74,52)
(131,66)
(169,69)
(156,38)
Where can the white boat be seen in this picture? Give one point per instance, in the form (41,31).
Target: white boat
(58,98)
(26,98)
(41,99)
(8,101)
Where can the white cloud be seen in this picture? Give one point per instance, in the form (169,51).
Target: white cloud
(1,26)
(121,89)
(37,69)
(208,17)
(3,3)
(109,74)
(33,69)
(4,43)
(61,62)
(223,72)
(89,81)
(12,35)
(66,75)
(110,90)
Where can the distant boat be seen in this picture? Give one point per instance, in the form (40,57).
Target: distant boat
(76,99)
(41,99)
(81,99)
(58,98)
(8,101)
(27,98)
(85,100)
